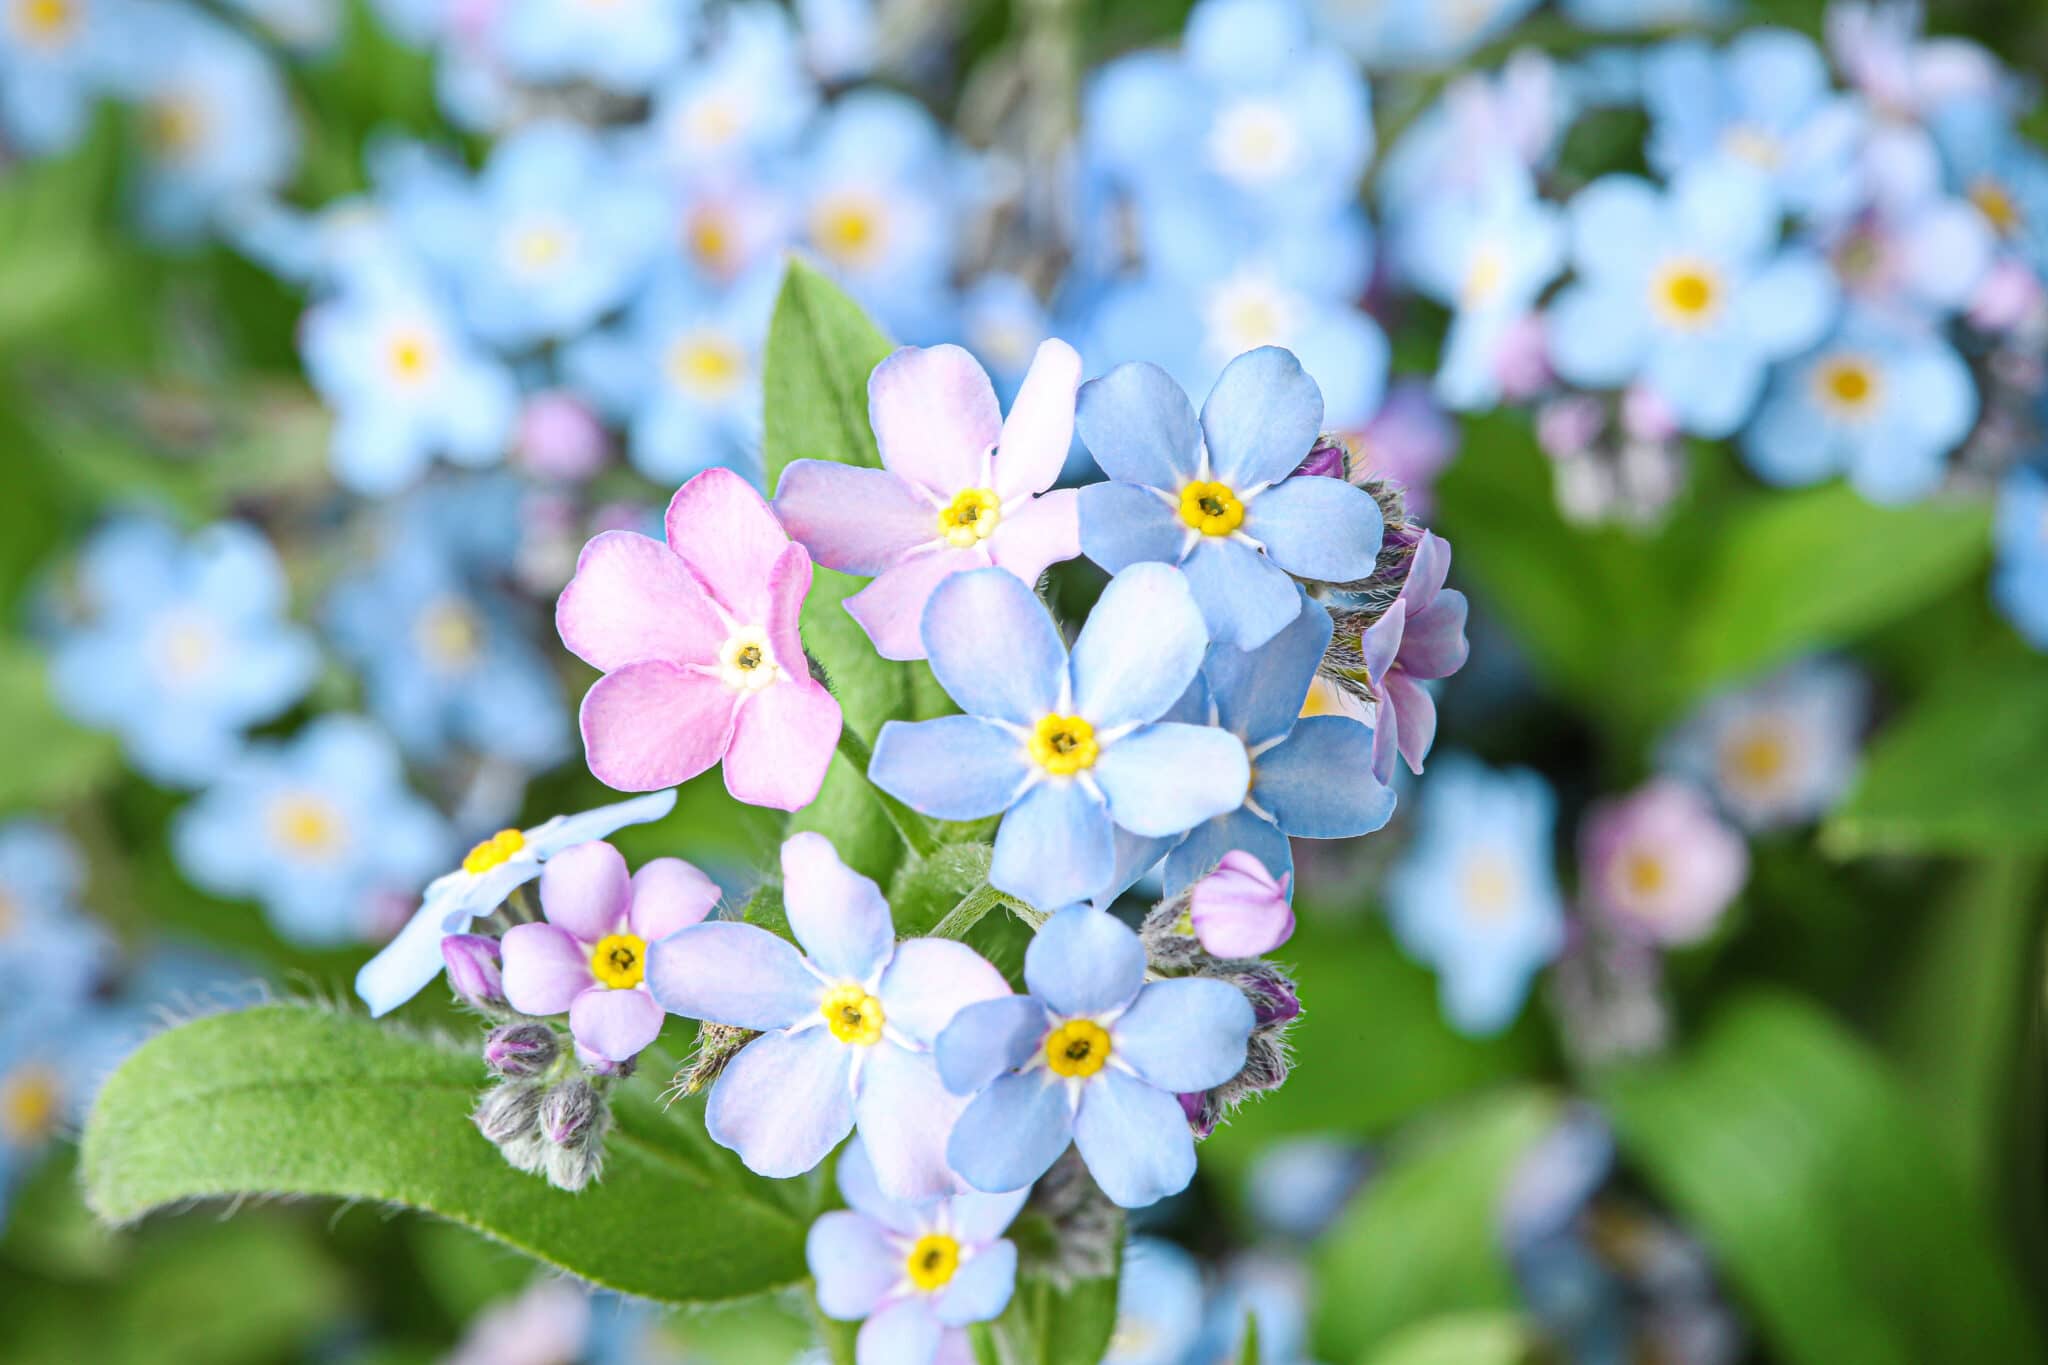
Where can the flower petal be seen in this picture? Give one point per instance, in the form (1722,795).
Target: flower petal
(1012,1132)
(1318,528)
(670,894)
(1260,692)
(1245,597)
(1054,846)
(404,966)
(724,531)
(984,1217)
(891,609)
(1140,647)
(1083,961)
(906,1330)
(853,1263)
(784,1101)
(1435,645)
(585,890)
(851,518)
(1138,424)
(731,973)
(1208,842)
(1415,712)
(552,836)
(1167,778)
(952,768)
(988,1038)
(994,646)
(1183,1035)
(1261,418)
(783,739)
(1040,428)
(1135,1139)
(614,1024)
(1317,782)
(1127,523)
(631,600)
(655,724)
(980,1290)
(838,915)
(857,1185)
(935,415)
(929,980)
(1043,532)
(545,969)
(905,1114)
(789,580)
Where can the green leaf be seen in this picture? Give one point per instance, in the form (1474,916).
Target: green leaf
(1960,771)
(50,761)
(299,1101)
(1829,1207)
(1800,571)
(1458,1339)
(1424,1238)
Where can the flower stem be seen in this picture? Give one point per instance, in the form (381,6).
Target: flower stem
(978,903)
(916,831)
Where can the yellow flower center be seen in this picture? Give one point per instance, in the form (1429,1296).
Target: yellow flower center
(848,229)
(29,1105)
(45,22)
(853,1015)
(175,125)
(706,364)
(970,518)
(1079,1047)
(1643,874)
(932,1261)
(448,633)
(1747,142)
(1847,385)
(493,852)
(1211,508)
(746,663)
(1063,745)
(1755,760)
(1996,203)
(1488,885)
(619,961)
(187,647)
(709,241)
(539,247)
(410,356)
(1686,294)
(306,825)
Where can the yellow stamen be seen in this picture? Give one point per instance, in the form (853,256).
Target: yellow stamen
(970,518)
(1064,745)
(45,22)
(1643,874)
(1489,886)
(448,633)
(932,1261)
(306,825)
(853,1015)
(494,851)
(1079,1047)
(410,356)
(746,663)
(1996,203)
(175,125)
(706,364)
(710,241)
(848,229)
(1686,294)
(1846,385)
(1211,508)
(1754,760)
(29,1105)
(619,961)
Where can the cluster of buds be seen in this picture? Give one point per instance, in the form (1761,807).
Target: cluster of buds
(543,1113)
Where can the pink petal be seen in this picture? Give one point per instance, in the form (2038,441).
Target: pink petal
(653,725)
(614,1024)
(584,889)
(1042,532)
(852,519)
(545,969)
(1436,645)
(1427,572)
(1416,710)
(669,894)
(891,608)
(788,582)
(935,416)
(1239,910)
(782,743)
(632,600)
(1040,428)
(1386,736)
(1381,644)
(724,531)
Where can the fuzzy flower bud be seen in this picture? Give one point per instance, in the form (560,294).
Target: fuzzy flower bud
(475,970)
(1239,910)
(508,1112)
(521,1050)
(573,1121)
(1329,458)
(567,1112)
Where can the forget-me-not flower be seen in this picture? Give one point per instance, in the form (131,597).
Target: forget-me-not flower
(1419,638)
(625,46)
(1159,1303)
(53,65)
(1094,1056)
(50,950)
(1660,861)
(1776,752)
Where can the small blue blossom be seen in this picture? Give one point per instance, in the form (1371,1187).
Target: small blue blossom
(1068,749)
(314,828)
(1159,1302)
(748,98)
(1405,34)
(1215,499)
(1622,15)
(2000,172)
(53,66)
(1777,752)
(2020,583)
(50,951)
(185,645)
(1686,291)
(1476,894)
(625,46)
(1881,401)
(1094,1056)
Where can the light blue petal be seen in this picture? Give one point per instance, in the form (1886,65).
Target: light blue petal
(566,831)
(994,646)
(1245,597)
(981,1289)
(731,973)
(1595,333)
(1135,856)
(1791,441)
(1711,383)
(1138,424)
(1184,1035)
(988,1038)
(1167,778)
(853,1263)
(838,916)
(1317,528)
(784,1102)
(905,1330)
(404,966)
(1083,961)
(1140,647)
(1318,781)
(1261,418)
(1207,842)
(1054,847)
(1786,306)
(1012,1132)
(952,768)
(1134,1138)
(1617,224)
(1259,693)
(1127,523)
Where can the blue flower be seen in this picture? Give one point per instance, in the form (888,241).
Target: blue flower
(2020,583)
(748,98)
(491,871)
(53,65)
(51,953)
(2001,173)
(1068,750)
(404,381)
(1765,100)
(1686,291)
(185,647)
(1159,1303)
(1883,401)
(1093,1056)
(1647,14)
(683,371)
(1777,752)
(1402,34)
(315,828)
(1476,894)
(625,46)
(1216,499)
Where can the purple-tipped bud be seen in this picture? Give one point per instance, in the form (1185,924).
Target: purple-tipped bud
(1273,1001)
(475,970)
(508,1112)
(518,1050)
(566,1112)
(1327,459)
(574,1119)
(1239,910)
(1201,1115)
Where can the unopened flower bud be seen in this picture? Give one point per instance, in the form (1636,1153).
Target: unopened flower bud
(475,970)
(1239,910)
(571,1168)
(508,1111)
(574,1119)
(1328,458)
(560,438)
(567,1111)
(520,1050)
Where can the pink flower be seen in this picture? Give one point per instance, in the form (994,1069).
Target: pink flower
(590,958)
(1239,910)
(1661,860)
(698,643)
(1421,637)
(960,488)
